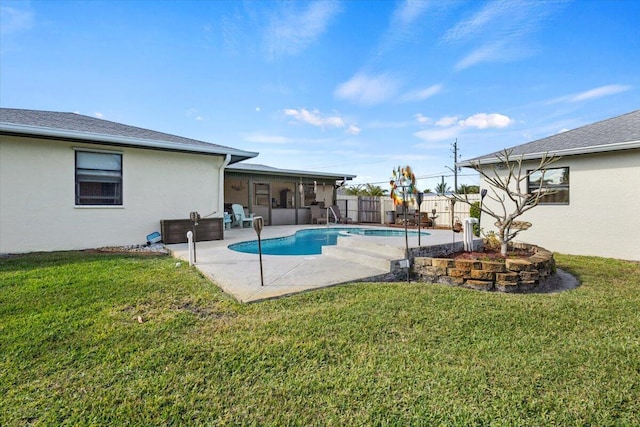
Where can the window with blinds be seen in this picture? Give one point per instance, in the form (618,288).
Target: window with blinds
(98,178)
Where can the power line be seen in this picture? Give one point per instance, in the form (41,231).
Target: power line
(346,164)
(434,176)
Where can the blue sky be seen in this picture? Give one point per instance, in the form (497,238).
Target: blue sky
(355,87)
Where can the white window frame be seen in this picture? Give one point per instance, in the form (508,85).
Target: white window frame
(110,177)
(560,187)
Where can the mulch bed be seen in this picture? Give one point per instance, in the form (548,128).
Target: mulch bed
(493,255)
(153,249)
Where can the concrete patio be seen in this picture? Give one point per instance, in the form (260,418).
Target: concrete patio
(238,274)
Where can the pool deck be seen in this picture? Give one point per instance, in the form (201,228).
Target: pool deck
(238,274)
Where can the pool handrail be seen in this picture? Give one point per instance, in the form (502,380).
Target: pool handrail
(330,209)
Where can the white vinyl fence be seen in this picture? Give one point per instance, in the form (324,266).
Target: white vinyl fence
(441,204)
(348,204)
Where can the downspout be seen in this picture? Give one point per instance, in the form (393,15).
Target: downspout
(227,159)
(220,204)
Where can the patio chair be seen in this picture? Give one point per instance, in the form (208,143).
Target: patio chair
(228,222)
(239,217)
(317,215)
(411,215)
(339,218)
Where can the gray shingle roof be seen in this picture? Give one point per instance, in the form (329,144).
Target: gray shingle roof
(617,133)
(74,126)
(270,170)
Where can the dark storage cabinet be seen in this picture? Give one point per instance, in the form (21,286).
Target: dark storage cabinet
(175,230)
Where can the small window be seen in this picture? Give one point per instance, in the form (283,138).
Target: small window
(98,178)
(308,194)
(553,181)
(262,194)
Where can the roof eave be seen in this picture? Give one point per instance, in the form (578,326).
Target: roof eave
(627,145)
(287,172)
(95,138)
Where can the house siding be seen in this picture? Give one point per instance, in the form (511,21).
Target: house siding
(602,218)
(37,189)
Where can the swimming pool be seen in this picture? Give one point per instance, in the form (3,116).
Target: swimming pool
(310,242)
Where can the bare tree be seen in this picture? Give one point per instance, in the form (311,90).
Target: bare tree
(507,179)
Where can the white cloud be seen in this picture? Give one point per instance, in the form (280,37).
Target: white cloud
(408,23)
(437,134)
(258,109)
(409,11)
(447,121)
(476,24)
(290,32)
(13,20)
(493,52)
(500,31)
(314,118)
(421,94)
(368,90)
(98,115)
(599,92)
(590,94)
(353,130)
(422,119)
(192,113)
(449,127)
(484,121)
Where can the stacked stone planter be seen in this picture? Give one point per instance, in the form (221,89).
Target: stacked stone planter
(510,275)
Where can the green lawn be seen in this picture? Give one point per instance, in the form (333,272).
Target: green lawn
(73,352)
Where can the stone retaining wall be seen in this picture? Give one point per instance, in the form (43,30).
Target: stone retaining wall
(510,275)
(442,250)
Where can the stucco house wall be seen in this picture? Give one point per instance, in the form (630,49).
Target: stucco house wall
(603,214)
(37,195)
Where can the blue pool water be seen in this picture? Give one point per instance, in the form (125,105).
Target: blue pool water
(310,242)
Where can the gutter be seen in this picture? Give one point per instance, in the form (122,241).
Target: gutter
(628,145)
(36,131)
(246,168)
(227,159)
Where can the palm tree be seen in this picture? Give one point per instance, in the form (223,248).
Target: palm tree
(354,190)
(374,190)
(365,190)
(442,188)
(469,189)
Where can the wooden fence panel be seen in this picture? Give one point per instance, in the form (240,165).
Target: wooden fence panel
(369,209)
(175,230)
(374,209)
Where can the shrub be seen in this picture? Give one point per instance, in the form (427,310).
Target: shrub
(474,212)
(491,241)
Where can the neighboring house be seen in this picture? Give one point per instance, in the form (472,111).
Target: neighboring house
(596,207)
(69,181)
(280,196)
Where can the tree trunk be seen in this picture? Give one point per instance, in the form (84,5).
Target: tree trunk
(502,233)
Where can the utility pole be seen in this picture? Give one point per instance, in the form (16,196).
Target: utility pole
(455,166)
